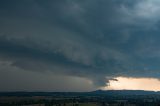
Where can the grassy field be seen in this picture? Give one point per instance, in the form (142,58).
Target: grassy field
(83,104)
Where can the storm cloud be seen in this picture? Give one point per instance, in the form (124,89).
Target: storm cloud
(93,39)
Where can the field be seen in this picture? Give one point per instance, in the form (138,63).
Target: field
(82,104)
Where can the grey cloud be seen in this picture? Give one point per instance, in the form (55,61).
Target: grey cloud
(16,79)
(90,39)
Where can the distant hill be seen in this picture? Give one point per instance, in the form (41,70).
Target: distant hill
(125,92)
(93,93)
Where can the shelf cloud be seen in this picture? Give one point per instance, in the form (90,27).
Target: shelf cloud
(93,39)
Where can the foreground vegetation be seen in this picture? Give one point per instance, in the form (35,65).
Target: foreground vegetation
(79,99)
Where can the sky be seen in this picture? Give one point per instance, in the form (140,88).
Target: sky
(78,45)
(122,83)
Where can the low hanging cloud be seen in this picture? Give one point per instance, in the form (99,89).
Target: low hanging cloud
(93,39)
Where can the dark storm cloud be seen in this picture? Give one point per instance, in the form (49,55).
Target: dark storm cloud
(94,39)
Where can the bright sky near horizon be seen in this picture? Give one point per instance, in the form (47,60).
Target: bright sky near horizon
(151,84)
